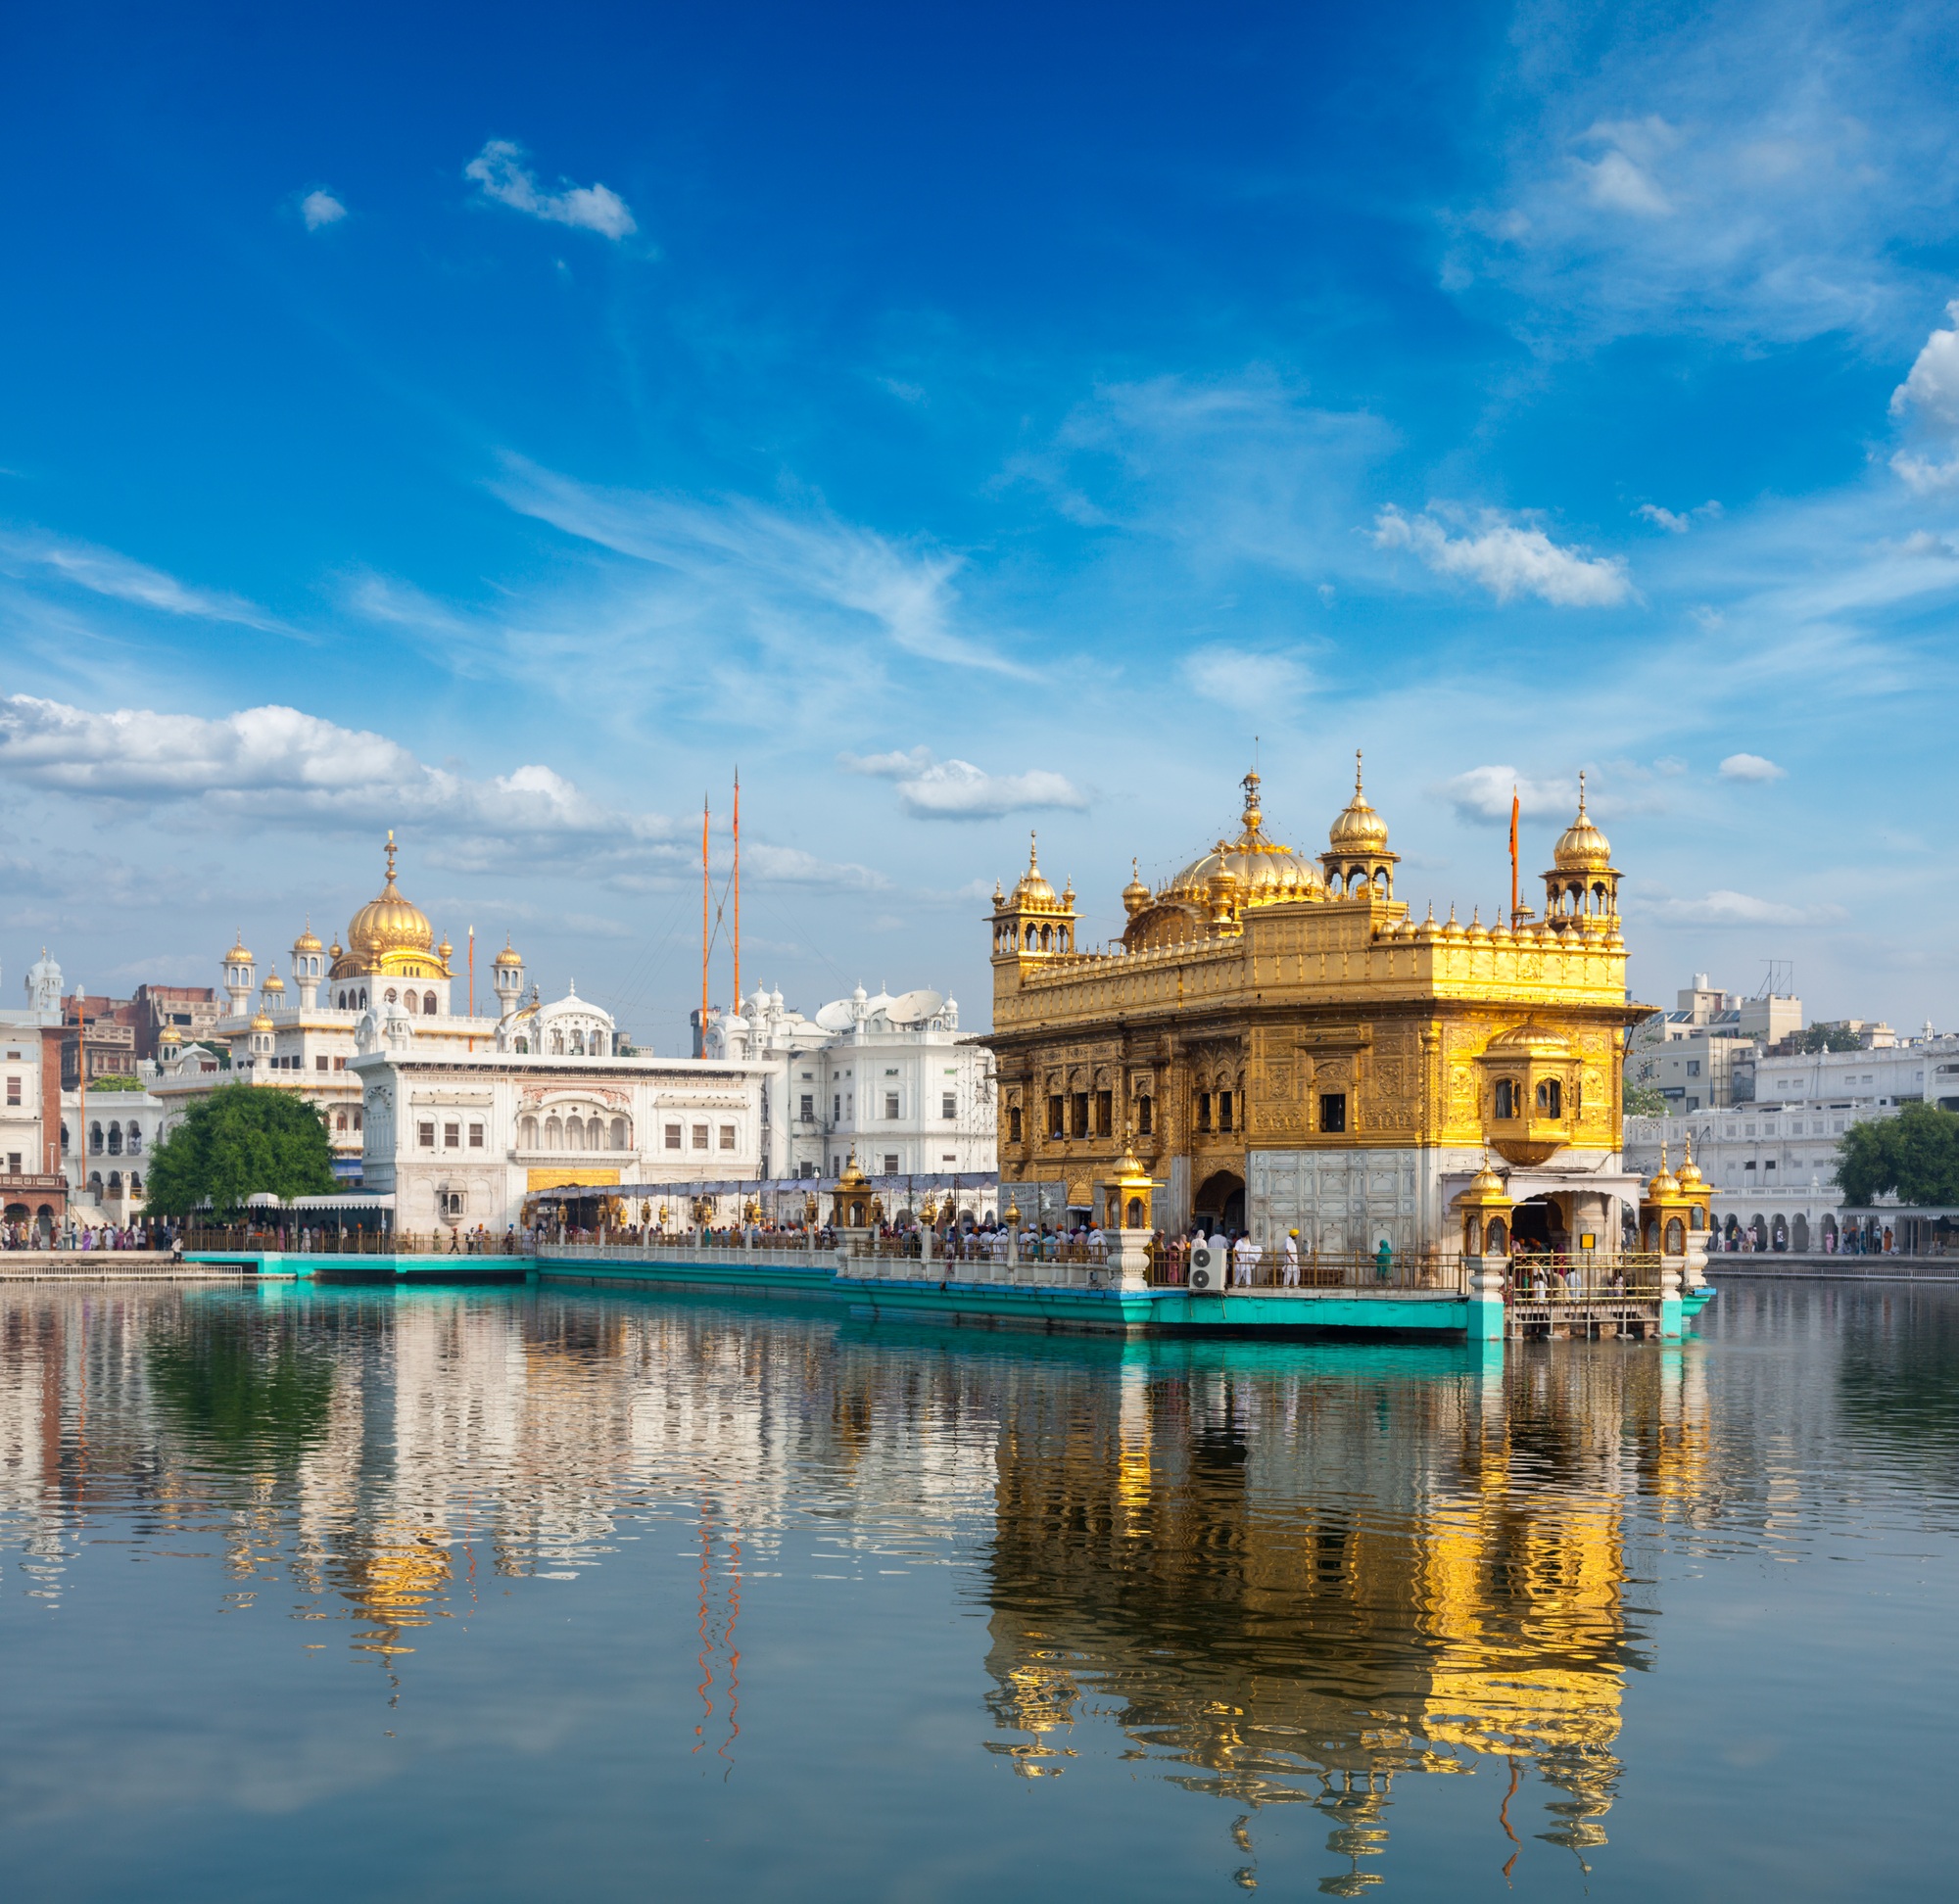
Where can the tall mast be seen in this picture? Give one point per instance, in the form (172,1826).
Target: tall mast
(705,927)
(738,890)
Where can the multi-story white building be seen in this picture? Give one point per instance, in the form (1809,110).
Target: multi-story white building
(34,1189)
(460,1138)
(302,1037)
(886,1078)
(1689,1054)
(1771,1154)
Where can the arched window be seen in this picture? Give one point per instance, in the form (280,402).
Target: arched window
(1498,1240)
(1676,1236)
(577,1041)
(574,1133)
(116,1179)
(1145,1116)
(527,1133)
(364,998)
(136,1184)
(1506,1098)
(114,1140)
(557,1043)
(63,1140)
(428,1004)
(598,1044)
(390,994)
(95,1140)
(1549,1098)
(95,1181)
(554,1134)
(135,1139)
(619,1133)
(409,1000)
(524,1045)
(340,1121)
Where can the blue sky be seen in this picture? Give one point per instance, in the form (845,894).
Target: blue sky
(499,426)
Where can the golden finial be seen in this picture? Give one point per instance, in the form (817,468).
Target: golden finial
(1581,792)
(1034,842)
(1253,813)
(1357,773)
(391,856)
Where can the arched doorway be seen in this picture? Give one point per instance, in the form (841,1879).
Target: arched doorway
(1219,1203)
(1537,1224)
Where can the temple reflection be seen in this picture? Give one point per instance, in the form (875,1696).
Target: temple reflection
(1294,1584)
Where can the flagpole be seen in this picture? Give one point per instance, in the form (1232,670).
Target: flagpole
(700,1039)
(738,890)
(1514,856)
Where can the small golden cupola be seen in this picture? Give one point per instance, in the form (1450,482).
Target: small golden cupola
(390,934)
(1357,860)
(1033,921)
(1136,896)
(1581,892)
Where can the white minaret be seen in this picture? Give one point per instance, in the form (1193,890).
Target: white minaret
(240,973)
(309,967)
(506,973)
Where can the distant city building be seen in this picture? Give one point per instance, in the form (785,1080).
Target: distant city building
(460,1138)
(118,1132)
(886,1078)
(1771,1154)
(1688,1054)
(33,1190)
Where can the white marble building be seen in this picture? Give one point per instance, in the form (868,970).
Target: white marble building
(460,1138)
(887,1077)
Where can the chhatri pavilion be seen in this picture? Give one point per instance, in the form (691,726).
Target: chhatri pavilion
(1287,1047)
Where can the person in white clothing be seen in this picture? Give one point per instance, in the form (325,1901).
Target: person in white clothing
(1292,1259)
(1244,1261)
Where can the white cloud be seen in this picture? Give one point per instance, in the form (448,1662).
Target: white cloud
(1926,475)
(783,576)
(103,572)
(320,208)
(501,170)
(957,790)
(1722,907)
(1249,680)
(269,765)
(1677,522)
(1508,557)
(1752,767)
(1932,387)
(1618,184)
(1482,795)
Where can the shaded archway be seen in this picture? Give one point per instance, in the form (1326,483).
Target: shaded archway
(1537,1224)
(1219,1202)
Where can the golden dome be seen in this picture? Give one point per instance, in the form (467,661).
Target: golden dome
(1034,894)
(443,950)
(274,987)
(1136,896)
(1581,846)
(507,958)
(1662,1182)
(1265,870)
(1531,1040)
(1689,1178)
(306,940)
(387,922)
(333,950)
(238,954)
(1486,1189)
(1357,830)
(261,1020)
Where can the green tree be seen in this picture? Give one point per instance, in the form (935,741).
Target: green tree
(1829,1034)
(1915,1154)
(237,1142)
(1643,1100)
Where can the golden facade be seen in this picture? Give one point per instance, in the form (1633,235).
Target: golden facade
(1287,1047)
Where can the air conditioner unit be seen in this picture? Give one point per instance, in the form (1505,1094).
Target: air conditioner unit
(1207,1271)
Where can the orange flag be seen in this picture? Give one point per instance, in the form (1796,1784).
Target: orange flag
(1513,852)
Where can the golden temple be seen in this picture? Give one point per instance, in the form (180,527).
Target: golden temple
(1289,1049)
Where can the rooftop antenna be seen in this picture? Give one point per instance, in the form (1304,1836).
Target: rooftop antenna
(1779,980)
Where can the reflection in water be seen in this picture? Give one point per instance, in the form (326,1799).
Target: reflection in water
(1287,1577)
(1293,1583)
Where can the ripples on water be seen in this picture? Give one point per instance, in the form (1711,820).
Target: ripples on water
(465,1594)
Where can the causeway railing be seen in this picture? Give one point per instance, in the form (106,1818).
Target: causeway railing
(307,1239)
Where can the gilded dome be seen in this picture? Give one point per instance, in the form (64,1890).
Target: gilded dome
(508,958)
(274,987)
(1265,870)
(1034,894)
(261,1020)
(1691,1180)
(1531,1040)
(1357,830)
(238,954)
(1581,846)
(389,922)
(308,940)
(1136,896)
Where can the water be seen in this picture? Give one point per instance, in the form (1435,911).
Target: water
(520,1594)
